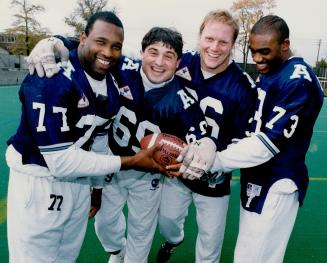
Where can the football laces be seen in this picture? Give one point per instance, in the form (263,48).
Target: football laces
(172,144)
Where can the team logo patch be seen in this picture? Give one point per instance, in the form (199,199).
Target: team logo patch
(126,92)
(184,73)
(154,184)
(252,190)
(83,102)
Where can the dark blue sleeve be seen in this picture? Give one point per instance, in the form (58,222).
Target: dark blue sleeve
(48,105)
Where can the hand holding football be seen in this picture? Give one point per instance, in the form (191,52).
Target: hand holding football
(171,147)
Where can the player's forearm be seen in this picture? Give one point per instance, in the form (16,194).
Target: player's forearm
(77,162)
(248,152)
(143,161)
(128,162)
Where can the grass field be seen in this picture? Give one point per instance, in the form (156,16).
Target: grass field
(308,243)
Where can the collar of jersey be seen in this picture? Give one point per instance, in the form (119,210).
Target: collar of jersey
(148,85)
(99,87)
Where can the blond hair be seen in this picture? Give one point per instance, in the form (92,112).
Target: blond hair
(223,16)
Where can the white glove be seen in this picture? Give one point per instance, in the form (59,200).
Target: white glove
(197,158)
(43,57)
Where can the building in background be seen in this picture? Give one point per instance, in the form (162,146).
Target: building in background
(13,68)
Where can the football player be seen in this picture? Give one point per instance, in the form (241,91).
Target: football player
(226,97)
(276,179)
(153,101)
(48,157)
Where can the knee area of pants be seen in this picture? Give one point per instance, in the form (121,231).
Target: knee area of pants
(168,219)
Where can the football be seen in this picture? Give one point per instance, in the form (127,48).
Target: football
(171,147)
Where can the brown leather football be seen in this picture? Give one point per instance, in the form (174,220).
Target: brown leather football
(171,147)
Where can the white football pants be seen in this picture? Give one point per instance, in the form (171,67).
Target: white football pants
(46,219)
(263,238)
(211,215)
(142,193)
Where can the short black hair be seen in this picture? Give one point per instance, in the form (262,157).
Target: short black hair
(272,23)
(106,16)
(168,36)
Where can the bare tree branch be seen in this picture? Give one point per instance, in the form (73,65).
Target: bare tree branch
(25,26)
(85,8)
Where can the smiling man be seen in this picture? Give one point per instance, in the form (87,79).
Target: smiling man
(153,100)
(49,158)
(226,97)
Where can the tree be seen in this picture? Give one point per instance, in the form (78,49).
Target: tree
(321,72)
(81,13)
(20,46)
(26,28)
(248,12)
(322,63)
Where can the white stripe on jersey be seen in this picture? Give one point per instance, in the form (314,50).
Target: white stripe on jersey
(55,147)
(267,142)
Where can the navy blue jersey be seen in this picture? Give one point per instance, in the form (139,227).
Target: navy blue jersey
(61,111)
(169,109)
(175,111)
(123,138)
(227,100)
(288,104)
